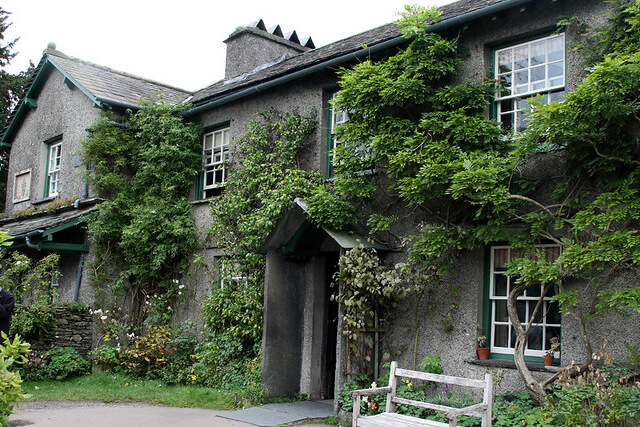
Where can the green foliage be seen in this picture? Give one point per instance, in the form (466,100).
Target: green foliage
(11,352)
(145,166)
(518,409)
(149,354)
(366,289)
(57,363)
(434,151)
(602,395)
(30,281)
(260,189)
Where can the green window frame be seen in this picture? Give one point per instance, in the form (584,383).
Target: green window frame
(215,169)
(496,324)
(335,118)
(534,68)
(54,163)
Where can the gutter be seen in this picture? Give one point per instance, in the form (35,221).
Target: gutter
(441,25)
(27,239)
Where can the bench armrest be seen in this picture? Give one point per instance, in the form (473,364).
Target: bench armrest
(467,410)
(366,391)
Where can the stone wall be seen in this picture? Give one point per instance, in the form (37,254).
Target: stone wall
(73,328)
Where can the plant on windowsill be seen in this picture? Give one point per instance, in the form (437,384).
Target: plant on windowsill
(550,353)
(483,350)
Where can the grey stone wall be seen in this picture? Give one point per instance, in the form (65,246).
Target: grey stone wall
(62,112)
(73,328)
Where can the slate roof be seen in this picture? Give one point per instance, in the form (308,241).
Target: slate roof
(103,85)
(45,221)
(334,50)
(111,85)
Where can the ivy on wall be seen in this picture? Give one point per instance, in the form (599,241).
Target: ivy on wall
(260,190)
(471,183)
(144,164)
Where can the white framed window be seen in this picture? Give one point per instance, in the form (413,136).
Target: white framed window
(336,118)
(22,186)
(53,169)
(216,156)
(547,323)
(526,70)
(228,275)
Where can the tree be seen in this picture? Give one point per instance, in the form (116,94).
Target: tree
(11,89)
(471,183)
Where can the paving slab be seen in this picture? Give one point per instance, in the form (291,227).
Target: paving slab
(275,414)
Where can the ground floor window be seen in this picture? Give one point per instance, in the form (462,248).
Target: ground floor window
(547,322)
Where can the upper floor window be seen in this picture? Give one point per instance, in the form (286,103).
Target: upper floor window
(54,160)
(547,322)
(336,117)
(216,157)
(526,70)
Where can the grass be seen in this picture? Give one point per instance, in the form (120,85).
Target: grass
(115,387)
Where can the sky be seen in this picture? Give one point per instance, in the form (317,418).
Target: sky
(179,43)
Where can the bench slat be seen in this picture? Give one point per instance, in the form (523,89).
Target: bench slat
(389,419)
(419,404)
(444,379)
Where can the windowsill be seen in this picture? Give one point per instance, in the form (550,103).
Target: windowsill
(200,202)
(510,364)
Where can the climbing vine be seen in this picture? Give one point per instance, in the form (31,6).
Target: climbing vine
(438,155)
(261,188)
(144,164)
(368,293)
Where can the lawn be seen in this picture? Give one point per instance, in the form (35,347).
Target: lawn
(112,387)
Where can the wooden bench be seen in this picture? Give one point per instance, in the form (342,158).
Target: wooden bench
(392,419)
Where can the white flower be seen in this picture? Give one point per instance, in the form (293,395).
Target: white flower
(374,385)
(103,317)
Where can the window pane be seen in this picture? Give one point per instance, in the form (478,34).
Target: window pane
(538,53)
(553,314)
(534,291)
(555,48)
(521,57)
(500,285)
(208,141)
(500,258)
(538,73)
(556,69)
(504,61)
(502,314)
(539,314)
(521,308)
(534,341)
(506,105)
(550,332)
(501,336)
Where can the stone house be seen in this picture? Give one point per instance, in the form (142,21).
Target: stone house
(303,350)
(47,200)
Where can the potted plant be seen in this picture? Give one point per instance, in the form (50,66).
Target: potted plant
(483,350)
(550,353)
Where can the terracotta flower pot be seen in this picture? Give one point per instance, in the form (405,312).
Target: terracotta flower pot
(548,360)
(483,353)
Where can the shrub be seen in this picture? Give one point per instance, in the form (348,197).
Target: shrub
(106,356)
(150,353)
(604,395)
(57,363)
(11,352)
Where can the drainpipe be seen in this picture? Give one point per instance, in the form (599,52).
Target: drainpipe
(76,293)
(454,21)
(27,239)
(85,194)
